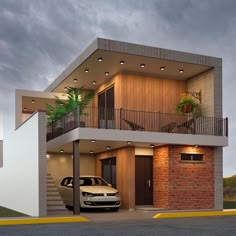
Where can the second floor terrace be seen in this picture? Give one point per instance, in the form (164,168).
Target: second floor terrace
(121,119)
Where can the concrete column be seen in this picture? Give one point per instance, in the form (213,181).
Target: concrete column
(76,177)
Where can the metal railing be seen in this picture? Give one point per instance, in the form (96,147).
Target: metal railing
(102,118)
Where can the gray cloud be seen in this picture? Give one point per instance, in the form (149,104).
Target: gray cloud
(38,39)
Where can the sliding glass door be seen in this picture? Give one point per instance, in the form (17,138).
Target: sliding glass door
(106,108)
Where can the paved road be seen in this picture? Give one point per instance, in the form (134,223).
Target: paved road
(216,226)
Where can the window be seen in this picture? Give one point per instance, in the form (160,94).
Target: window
(191,157)
(109,170)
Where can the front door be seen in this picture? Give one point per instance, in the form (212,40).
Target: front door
(143,180)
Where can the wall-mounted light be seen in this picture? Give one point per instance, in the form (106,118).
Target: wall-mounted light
(32,101)
(62,150)
(25,109)
(66,89)
(122,62)
(196,145)
(181,71)
(152,145)
(94,82)
(75,80)
(162,68)
(142,65)
(91,152)
(92,140)
(129,142)
(108,147)
(106,73)
(100,59)
(86,70)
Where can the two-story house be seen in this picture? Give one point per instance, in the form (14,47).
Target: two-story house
(131,134)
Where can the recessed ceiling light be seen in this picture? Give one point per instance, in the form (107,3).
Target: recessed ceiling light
(162,68)
(152,145)
(106,73)
(99,59)
(181,71)
(86,70)
(75,80)
(91,152)
(108,147)
(92,140)
(142,65)
(62,150)
(129,142)
(25,109)
(122,62)
(33,101)
(94,82)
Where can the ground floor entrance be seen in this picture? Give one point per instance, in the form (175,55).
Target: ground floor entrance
(144,180)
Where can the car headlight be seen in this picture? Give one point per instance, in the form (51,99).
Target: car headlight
(86,194)
(117,194)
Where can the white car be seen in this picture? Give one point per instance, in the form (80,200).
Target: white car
(95,192)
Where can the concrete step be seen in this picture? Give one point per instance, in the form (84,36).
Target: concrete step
(56,208)
(53,197)
(51,189)
(51,185)
(55,203)
(58,213)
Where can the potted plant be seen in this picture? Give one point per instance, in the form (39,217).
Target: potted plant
(77,97)
(188,105)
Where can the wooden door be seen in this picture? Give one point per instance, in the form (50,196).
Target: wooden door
(144,180)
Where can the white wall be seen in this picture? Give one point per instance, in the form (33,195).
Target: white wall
(20,180)
(1,153)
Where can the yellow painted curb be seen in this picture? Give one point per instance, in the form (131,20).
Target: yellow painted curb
(42,220)
(193,214)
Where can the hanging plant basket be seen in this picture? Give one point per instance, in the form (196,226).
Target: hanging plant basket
(187,108)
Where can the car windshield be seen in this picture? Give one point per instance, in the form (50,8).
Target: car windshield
(92,181)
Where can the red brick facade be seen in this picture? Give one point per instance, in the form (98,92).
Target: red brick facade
(183,185)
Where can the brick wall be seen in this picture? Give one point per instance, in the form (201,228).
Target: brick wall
(183,185)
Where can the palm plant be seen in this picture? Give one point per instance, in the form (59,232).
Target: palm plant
(77,98)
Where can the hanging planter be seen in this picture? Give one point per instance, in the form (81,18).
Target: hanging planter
(188,105)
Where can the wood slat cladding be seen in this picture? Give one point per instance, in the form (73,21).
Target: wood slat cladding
(125,165)
(146,93)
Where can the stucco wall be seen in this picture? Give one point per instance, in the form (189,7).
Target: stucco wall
(61,165)
(23,178)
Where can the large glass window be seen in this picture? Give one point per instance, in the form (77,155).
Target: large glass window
(109,170)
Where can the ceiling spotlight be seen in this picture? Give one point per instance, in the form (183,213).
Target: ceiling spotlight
(108,147)
(181,71)
(122,62)
(99,59)
(92,140)
(86,70)
(152,145)
(25,109)
(33,101)
(142,65)
(94,82)
(162,68)
(75,80)
(129,142)
(62,150)
(91,152)
(106,73)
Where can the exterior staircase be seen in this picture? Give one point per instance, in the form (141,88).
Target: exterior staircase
(55,204)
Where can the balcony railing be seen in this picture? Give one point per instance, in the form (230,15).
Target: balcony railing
(138,120)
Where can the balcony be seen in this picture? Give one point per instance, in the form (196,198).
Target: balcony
(100,118)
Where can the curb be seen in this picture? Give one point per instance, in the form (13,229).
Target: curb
(43,220)
(193,214)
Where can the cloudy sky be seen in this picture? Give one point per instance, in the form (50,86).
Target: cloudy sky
(39,39)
